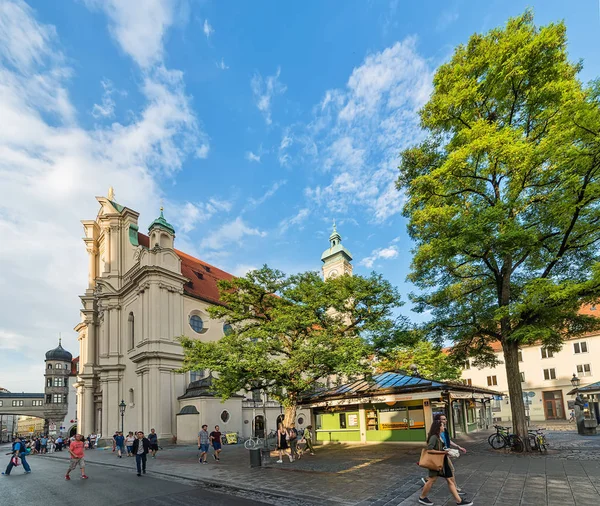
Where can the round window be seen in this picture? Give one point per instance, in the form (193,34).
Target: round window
(196,323)
(225,416)
(300,420)
(227,329)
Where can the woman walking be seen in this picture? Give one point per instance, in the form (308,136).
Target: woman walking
(129,440)
(282,443)
(435,444)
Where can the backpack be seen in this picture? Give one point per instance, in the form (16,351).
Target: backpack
(22,447)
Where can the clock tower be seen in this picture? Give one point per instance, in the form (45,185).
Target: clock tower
(336,259)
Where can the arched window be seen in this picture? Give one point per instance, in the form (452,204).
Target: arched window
(58,366)
(131,330)
(49,366)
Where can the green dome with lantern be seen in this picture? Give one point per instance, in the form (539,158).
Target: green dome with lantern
(160,222)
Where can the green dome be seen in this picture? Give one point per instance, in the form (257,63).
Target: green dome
(160,222)
(335,241)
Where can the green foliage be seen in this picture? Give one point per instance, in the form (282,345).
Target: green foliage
(290,331)
(431,361)
(503,195)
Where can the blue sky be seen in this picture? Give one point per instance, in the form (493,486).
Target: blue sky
(256,123)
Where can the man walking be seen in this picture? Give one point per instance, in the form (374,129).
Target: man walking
(153,438)
(293,440)
(59,444)
(141,446)
(120,443)
(43,444)
(448,443)
(215,437)
(203,443)
(19,450)
(76,451)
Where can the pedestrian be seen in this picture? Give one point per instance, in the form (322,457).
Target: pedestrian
(203,443)
(77,453)
(114,440)
(43,444)
(59,444)
(572,416)
(19,451)
(51,445)
(293,439)
(92,440)
(282,443)
(120,444)
(141,447)
(307,436)
(435,444)
(215,437)
(153,438)
(448,443)
(129,443)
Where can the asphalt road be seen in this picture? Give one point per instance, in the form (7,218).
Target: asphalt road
(46,486)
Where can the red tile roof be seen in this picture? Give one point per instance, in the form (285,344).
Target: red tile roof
(203,277)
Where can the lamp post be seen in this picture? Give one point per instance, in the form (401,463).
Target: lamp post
(575,381)
(122,407)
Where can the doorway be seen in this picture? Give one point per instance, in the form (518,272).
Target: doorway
(554,408)
(259,426)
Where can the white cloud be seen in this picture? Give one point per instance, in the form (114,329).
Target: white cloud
(51,167)
(241,270)
(221,64)
(385,253)
(295,220)
(286,142)
(107,108)
(202,151)
(232,232)
(139,27)
(207,29)
(187,216)
(253,203)
(264,90)
(252,157)
(357,133)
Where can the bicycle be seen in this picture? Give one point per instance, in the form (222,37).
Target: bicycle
(258,442)
(503,439)
(537,440)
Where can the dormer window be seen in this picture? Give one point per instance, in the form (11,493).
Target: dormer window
(199,275)
(206,268)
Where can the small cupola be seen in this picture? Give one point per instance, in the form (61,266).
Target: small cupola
(161,232)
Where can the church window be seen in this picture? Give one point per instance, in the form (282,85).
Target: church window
(131,330)
(225,416)
(196,323)
(58,366)
(49,366)
(227,329)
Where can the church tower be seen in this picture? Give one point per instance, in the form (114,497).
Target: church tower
(336,259)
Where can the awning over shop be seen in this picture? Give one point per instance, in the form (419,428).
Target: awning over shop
(593,388)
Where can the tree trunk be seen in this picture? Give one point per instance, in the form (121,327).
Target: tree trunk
(290,415)
(517,406)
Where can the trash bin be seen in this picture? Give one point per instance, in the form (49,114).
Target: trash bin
(255,457)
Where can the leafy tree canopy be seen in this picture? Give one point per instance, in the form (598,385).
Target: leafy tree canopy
(503,196)
(290,331)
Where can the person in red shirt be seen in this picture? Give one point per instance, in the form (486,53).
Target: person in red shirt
(76,451)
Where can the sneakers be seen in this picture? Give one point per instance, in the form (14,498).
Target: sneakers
(291,458)
(215,456)
(139,474)
(460,492)
(279,462)
(204,462)
(424,500)
(67,477)
(464,502)
(84,477)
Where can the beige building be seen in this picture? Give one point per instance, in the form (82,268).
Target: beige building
(545,377)
(143,294)
(30,426)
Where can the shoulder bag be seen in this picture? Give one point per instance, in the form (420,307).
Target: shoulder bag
(431,461)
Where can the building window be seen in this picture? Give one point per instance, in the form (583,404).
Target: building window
(37,403)
(468,382)
(227,329)
(49,366)
(48,382)
(580,347)
(342,420)
(522,374)
(549,374)
(520,356)
(1,403)
(467,365)
(492,381)
(196,375)
(225,416)
(77,366)
(131,397)
(584,370)
(196,323)
(18,403)
(131,330)
(48,399)
(546,353)
(58,366)
(58,382)
(57,398)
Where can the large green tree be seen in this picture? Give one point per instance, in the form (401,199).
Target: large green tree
(431,361)
(503,197)
(289,332)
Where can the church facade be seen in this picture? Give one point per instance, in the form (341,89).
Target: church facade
(143,294)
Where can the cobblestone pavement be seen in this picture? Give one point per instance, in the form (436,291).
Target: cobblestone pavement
(387,474)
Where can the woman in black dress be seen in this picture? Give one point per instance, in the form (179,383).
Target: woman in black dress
(282,443)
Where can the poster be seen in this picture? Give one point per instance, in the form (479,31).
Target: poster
(352,420)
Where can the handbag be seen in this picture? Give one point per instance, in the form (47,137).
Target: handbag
(431,461)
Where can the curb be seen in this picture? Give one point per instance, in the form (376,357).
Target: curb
(223,487)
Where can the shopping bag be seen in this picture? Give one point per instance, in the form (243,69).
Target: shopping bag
(431,461)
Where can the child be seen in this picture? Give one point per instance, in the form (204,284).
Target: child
(76,451)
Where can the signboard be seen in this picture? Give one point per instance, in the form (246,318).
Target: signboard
(52,426)
(32,428)
(352,420)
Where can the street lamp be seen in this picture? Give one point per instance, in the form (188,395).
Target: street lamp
(122,407)
(575,381)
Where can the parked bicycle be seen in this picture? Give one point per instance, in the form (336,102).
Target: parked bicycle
(504,439)
(537,440)
(257,442)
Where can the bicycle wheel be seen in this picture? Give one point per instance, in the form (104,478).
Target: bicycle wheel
(497,441)
(543,446)
(250,444)
(516,444)
(533,442)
